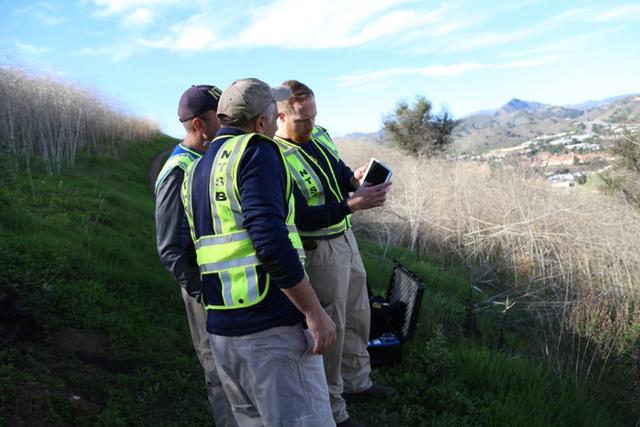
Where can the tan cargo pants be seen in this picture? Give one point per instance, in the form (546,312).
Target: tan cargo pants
(338,276)
(273,379)
(220,407)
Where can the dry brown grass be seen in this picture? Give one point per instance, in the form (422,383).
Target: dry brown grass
(572,258)
(44,118)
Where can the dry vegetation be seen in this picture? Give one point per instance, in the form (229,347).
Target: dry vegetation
(44,118)
(571,258)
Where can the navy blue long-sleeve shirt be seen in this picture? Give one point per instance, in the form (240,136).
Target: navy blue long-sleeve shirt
(261,184)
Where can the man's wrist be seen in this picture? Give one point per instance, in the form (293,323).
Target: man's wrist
(355,184)
(352,204)
(347,206)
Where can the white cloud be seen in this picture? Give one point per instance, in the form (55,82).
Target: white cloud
(366,79)
(29,49)
(409,25)
(138,14)
(627,12)
(492,39)
(329,24)
(193,35)
(371,79)
(119,7)
(322,25)
(134,17)
(139,17)
(528,63)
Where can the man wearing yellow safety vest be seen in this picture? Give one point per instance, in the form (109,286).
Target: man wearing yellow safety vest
(267,328)
(334,265)
(197,112)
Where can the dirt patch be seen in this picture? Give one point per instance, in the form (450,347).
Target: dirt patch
(91,348)
(71,341)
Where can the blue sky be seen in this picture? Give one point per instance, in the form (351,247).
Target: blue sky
(360,56)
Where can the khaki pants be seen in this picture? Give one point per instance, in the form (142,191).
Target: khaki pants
(338,276)
(197,317)
(272,378)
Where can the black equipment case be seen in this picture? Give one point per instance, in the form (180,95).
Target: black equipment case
(394,318)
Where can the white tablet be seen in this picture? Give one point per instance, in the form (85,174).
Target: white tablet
(377,172)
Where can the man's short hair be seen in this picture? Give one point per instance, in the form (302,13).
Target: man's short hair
(299,92)
(188,125)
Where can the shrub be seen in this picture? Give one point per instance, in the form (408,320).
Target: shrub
(416,130)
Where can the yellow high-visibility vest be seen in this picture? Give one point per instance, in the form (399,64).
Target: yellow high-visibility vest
(229,252)
(307,180)
(180,160)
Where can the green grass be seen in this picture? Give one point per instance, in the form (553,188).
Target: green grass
(78,249)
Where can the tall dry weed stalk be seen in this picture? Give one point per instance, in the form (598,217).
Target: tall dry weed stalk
(44,118)
(573,258)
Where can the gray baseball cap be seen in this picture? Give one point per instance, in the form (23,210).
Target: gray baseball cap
(245,99)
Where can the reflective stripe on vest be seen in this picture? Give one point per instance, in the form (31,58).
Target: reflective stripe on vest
(229,252)
(180,160)
(320,137)
(299,163)
(303,174)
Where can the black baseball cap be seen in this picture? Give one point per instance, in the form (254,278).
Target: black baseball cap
(198,99)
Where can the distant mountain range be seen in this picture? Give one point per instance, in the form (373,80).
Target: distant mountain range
(516,105)
(518,121)
(520,105)
(375,137)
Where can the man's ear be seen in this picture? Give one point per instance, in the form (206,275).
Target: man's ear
(260,122)
(281,116)
(197,124)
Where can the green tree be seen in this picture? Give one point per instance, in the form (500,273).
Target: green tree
(413,128)
(627,150)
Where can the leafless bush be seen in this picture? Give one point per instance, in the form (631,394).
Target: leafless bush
(51,120)
(573,257)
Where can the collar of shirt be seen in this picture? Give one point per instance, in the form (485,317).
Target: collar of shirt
(195,150)
(229,131)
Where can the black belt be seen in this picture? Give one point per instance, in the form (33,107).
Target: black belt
(311,243)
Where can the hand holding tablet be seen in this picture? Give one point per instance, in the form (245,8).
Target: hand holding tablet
(373,193)
(376,173)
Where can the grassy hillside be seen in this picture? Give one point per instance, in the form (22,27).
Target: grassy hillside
(111,344)
(78,249)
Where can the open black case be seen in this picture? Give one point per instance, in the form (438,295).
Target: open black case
(394,317)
